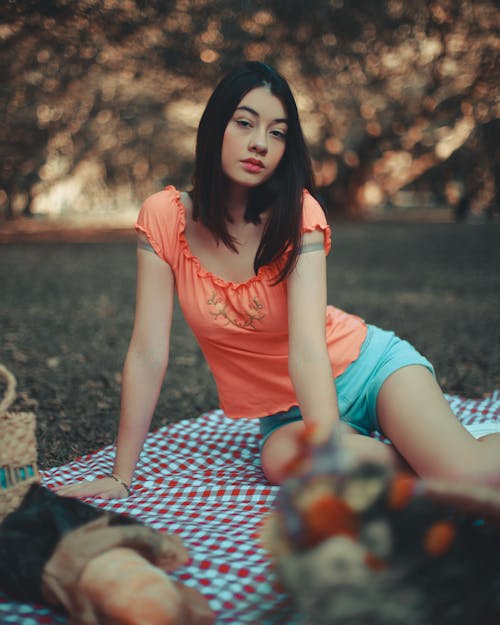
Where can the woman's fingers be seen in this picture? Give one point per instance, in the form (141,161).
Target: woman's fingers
(105,487)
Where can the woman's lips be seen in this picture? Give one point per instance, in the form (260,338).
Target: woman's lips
(253,165)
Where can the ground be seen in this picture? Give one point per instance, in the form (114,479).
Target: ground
(66,313)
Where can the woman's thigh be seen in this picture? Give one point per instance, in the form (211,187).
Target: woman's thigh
(417,418)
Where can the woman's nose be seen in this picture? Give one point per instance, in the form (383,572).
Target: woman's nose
(259,142)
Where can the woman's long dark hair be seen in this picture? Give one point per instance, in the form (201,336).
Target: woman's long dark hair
(282,193)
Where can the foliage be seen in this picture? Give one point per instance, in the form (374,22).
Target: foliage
(100,98)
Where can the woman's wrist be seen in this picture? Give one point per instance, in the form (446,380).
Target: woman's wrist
(118,479)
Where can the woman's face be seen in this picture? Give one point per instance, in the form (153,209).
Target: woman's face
(255,138)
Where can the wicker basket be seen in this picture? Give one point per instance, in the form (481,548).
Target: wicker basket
(18,449)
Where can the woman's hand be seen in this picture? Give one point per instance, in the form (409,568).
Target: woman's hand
(104,487)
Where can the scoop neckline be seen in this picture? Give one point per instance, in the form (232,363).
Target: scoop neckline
(202,271)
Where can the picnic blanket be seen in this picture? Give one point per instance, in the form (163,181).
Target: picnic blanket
(201,478)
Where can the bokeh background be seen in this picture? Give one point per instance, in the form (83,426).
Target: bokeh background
(100,99)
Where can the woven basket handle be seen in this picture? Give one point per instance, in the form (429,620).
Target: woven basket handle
(10,392)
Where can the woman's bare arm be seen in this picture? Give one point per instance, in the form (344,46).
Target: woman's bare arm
(309,363)
(143,373)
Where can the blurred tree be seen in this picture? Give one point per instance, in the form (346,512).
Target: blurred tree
(100,98)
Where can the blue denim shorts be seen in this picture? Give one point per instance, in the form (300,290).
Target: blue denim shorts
(382,353)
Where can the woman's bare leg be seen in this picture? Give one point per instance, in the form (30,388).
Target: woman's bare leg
(415,416)
(283,446)
(425,434)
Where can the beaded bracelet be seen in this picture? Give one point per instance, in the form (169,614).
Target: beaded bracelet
(120,481)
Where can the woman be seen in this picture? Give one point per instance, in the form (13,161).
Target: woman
(245,251)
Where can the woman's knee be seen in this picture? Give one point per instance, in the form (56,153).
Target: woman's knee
(482,462)
(280,450)
(366,449)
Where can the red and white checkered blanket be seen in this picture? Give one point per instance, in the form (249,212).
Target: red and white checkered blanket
(201,479)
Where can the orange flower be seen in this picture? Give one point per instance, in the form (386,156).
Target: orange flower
(329,516)
(296,465)
(401,491)
(306,436)
(301,461)
(375,563)
(439,538)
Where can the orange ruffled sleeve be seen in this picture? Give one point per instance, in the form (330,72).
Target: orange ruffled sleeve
(314,218)
(159,219)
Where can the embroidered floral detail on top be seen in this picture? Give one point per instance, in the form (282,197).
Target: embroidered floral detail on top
(244,319)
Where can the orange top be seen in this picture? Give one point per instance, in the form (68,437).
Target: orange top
(242,328)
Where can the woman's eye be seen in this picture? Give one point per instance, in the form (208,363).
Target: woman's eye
(244,123)
(279,134)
